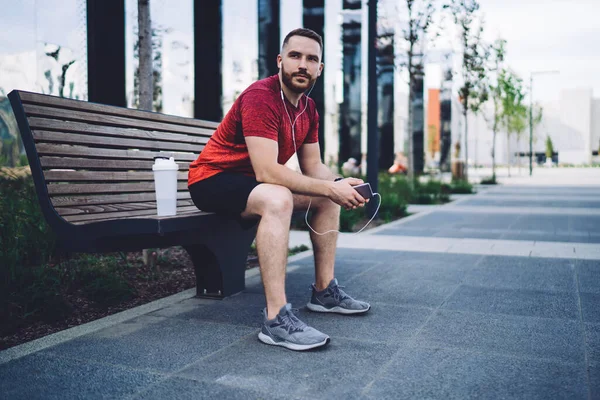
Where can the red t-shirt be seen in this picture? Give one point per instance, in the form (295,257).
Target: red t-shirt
(258,111)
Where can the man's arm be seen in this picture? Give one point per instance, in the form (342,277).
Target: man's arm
(309,158)
(263,156)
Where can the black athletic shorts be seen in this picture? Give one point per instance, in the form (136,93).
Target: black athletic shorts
(225,193)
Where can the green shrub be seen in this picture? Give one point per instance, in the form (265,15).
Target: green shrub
(461,186)
(26,238)
(489,181)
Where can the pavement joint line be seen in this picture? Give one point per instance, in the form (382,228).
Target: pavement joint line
(93,361)
(418,331)
(178,371)
(496,354)
(583,333)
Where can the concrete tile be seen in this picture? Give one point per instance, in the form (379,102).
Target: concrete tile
(421,373)
(187,389)
(592,341)
(588,223)
(590,306)
(593,352)
(544,223)
(183,307)
(469,233)
(524,273)
(560,305)
(339,370)
(487,202)
(588,272)
(594,382)
(505,334)
(41,376)
(588,252)
(160,344)
(383,323)
(242,309)
(402,231)
(424,280)
(553,250)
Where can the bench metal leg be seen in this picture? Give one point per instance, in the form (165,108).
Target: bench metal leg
(220,272)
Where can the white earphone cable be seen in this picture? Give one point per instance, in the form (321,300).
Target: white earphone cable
(296,152)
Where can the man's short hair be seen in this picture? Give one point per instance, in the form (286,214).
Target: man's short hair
(309,33)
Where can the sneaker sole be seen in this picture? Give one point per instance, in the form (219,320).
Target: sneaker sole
(336,309)
(292,346)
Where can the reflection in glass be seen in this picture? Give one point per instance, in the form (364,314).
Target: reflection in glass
(45,52)
(172,52)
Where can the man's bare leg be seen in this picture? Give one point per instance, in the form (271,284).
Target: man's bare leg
(274,205)
(325,216)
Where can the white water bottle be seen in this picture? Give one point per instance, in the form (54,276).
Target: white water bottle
(165,185)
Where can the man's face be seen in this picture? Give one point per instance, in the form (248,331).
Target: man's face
(300,63)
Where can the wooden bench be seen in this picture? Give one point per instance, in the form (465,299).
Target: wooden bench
(92,169)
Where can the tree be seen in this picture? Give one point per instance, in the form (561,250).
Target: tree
(473,92)
(520,130)
(498,54)
(514,112)
(145,69)
(145,56)
(420,18)
(549,147)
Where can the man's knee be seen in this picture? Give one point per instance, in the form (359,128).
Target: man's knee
(280,203)
(272,200)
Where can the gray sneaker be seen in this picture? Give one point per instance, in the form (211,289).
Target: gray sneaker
(334,299)
(288,331)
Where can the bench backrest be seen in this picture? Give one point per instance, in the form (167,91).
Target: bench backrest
(95,161)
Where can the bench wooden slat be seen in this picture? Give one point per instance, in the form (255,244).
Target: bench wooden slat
(89,188)
(77,127)
(95,164)
(110,142)
(108,208)
(110,199)
(123,214)
(106,120)
(89,176)
(35,98)
(46,149)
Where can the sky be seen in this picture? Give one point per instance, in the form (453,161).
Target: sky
(548,35)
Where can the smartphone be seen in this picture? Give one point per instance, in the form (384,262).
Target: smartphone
(364,190)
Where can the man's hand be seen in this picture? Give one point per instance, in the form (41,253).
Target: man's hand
(343,193)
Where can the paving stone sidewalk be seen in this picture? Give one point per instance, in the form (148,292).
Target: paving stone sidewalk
(462,308)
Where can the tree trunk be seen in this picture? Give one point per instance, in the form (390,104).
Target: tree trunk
(519,155)
(494,153)
(145,71)
(145,55)
(465,112)
(410,156)
(508,153)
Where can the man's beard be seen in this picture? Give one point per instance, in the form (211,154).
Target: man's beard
(288,81)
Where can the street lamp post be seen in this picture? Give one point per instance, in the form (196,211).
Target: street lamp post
(531,114)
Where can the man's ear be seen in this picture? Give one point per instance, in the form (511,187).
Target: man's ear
(279,59)
(320,69)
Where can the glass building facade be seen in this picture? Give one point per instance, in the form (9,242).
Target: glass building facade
(43,49)
(205,53)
